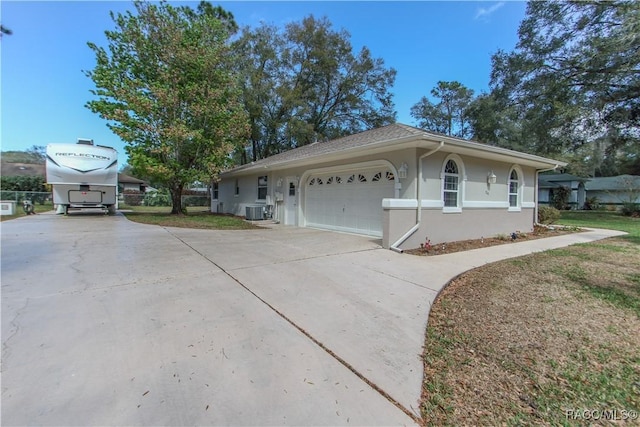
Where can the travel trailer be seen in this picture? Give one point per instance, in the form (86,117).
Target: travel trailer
(83,175)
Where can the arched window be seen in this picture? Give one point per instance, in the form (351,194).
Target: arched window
(451,187)
(514,186)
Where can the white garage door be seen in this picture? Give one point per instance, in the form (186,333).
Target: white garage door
(348,201)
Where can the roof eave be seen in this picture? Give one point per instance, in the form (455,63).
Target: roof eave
(491,152)
(426,140)
(412,141)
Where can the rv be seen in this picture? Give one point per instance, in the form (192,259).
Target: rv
(83,175)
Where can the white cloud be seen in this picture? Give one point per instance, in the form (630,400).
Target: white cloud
(484,13)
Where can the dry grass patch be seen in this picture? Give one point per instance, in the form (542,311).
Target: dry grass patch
(524,341)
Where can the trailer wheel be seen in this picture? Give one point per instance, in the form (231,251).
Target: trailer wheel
(111,210)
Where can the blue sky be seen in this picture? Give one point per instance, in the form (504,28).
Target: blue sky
(43,88)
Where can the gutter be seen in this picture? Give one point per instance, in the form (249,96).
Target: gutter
(415,228)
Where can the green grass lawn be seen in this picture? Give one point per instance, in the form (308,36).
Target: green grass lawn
(603,219)
(197,217)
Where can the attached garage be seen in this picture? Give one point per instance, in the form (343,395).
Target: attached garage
(349,201)
(398,183)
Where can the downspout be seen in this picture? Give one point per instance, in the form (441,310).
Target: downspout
(537,190)
(415,228)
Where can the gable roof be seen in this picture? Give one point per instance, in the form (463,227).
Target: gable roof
(557,180)
(124,178)
(387,138)
(614,183)
(562,177)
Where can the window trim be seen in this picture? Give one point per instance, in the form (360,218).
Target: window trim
(215,191)
(264,187)
(461,179)
(520,188)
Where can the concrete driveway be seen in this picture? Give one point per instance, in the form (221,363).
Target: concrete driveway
(109,322)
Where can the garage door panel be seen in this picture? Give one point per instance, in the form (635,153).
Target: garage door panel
(350,201)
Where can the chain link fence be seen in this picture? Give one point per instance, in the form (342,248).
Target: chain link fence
(161,198)
(35,197)
(128,198)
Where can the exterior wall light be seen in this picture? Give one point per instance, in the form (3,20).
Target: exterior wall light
(491,178)
(402,171)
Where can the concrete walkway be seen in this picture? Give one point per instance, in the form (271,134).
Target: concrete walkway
(108,322)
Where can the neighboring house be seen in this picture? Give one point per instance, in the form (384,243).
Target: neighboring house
(397,182)
(549,183)
(614,190)
(129,183)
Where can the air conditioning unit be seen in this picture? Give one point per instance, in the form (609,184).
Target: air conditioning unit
(254,213)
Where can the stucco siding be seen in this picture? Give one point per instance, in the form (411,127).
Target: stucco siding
(476,193)
(482,207)
(448,227)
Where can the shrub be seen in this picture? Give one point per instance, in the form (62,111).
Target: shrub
(591,204)
(548,215)
(561,197)
(157,198)
(630,209)
(132,197)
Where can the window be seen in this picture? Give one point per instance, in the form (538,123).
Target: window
(215,191)
(377,177)
(451,185)
(292,189)
(237,184)
(330,180)
(262,187)
(514,185)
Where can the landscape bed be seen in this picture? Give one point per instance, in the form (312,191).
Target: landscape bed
(539,232)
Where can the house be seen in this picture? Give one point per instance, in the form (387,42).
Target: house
(614,190)
(548,184)
(610,190)
(129,183)
(397,183)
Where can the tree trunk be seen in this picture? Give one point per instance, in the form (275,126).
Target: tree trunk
(176,200)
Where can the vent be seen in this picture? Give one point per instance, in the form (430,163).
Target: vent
(254,213)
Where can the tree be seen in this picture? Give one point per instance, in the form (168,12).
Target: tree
(265,91)
(305,84)
(573,82)
(449,115)
(36,155)
(166,87)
